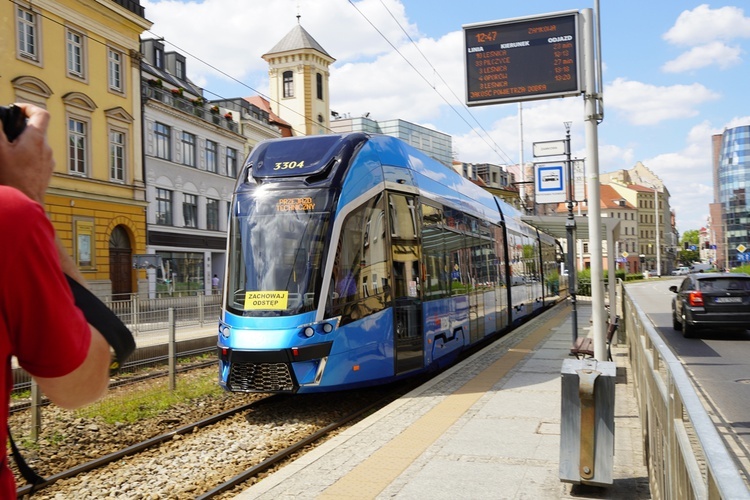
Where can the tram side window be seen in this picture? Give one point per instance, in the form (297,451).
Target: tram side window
(486,260)
(436,270)
(499,242)
(361,276)
(458,249)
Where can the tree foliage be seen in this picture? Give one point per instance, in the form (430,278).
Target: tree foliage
(691,237)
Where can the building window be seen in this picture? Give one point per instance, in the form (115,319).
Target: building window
(212,214)
(117,156)
(190,210)
(75,53)
(77,145)
(115,70)
(163,140)
(212,153)
(163,207)
(288,79)
(232,162)
(159,57)
(188,149)
(28,43)
(179,69)
(319,85)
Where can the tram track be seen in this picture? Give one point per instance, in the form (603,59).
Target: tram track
(183,462)
(134,449)
(288,452)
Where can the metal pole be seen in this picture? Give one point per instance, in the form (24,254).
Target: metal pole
(594,195)
(36,411)
(172,349)
(570,228)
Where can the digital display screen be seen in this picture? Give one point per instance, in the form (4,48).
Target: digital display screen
(511,61)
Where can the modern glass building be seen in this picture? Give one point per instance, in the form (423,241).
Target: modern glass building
(431,142)
(730,212)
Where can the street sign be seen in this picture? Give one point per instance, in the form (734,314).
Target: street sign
(549,183)
(579,180)
(741,248)
(549,148)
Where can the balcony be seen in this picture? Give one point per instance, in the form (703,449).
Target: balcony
(173,99)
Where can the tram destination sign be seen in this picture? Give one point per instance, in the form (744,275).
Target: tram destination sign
(522,59)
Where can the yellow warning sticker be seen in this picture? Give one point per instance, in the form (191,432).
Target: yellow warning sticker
(266,300)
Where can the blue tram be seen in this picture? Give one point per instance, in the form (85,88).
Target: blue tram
(355,260)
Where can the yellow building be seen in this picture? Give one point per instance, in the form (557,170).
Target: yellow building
(79,59)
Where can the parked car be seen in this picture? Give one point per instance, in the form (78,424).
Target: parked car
(711,300)
(681,271)
(699,267)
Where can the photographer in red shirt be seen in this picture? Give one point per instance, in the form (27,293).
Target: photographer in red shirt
(39,322)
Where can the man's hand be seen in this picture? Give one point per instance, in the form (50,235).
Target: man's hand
(27,163)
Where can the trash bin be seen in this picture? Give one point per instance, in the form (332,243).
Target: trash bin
(587,424)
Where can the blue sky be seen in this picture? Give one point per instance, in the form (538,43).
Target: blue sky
(675,73)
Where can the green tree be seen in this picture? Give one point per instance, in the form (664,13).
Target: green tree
(689,238)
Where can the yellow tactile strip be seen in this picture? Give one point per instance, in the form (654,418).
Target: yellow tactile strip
(371,476)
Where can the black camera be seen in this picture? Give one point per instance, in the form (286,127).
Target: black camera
(14,121)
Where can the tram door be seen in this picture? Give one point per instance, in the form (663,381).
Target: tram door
(407,287)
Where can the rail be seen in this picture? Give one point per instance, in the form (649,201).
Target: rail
(685,455)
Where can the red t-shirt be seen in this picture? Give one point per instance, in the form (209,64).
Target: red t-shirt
(39,323)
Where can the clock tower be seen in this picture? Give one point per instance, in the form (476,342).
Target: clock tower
(298,78)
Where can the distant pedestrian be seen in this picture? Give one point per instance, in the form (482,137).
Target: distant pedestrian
(215,284)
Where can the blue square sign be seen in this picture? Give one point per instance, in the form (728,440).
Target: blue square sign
(549,183)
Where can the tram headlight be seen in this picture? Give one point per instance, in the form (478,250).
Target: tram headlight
(224,330)
(308,331)
(327,328)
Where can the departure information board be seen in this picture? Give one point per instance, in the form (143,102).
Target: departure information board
(522,59)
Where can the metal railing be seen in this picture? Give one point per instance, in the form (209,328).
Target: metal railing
(201,110)
(144,314)
(685,454)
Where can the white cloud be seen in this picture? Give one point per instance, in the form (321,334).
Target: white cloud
(646,104)
(613,157)
(714,53)
(687,174)
(211,30)
(703,24)
(388,86)
(740,121)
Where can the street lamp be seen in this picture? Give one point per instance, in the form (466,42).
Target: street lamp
(570,229)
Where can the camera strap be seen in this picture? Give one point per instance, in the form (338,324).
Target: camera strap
(112,329)
(25,469)
(103,319)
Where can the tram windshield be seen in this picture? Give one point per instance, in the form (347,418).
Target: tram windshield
(275,251)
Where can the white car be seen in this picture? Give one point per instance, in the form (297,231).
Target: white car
(681,271)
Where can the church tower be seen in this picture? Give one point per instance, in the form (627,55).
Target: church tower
(298,74)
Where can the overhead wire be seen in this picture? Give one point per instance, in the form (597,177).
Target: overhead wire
(497,149)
